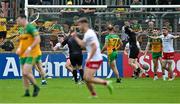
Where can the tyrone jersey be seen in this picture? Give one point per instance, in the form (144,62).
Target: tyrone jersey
(113,43)
(156,45)
(89,38)
(167,43)
(26,39)
(65,49)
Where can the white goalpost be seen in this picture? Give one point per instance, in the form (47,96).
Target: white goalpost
(27,6)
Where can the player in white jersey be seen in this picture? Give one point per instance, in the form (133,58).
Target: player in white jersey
(168,52)
(94,59)
(65,51)
(127,52)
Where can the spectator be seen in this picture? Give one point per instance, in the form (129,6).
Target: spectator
(150,27)
(56,28)
(46,2)
(136,27)
(5,6)
(120,3)
(124,36)
(110,2)
(69,9)
(167,24)
(88,10)
(136,2)
(3,29)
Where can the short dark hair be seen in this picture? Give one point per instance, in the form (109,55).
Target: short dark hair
(165,28)
(83,20)
(22,16)
(156,28)
(110,27)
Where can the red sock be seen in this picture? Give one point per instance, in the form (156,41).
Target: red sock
(93,93)
(105,83)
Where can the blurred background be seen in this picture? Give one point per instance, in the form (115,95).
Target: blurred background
(52,22)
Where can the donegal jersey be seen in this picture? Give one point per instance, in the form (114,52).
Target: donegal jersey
(26,39)
(113,43)
(156,45)
(3,23)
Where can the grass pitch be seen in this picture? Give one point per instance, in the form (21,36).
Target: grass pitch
(65,91)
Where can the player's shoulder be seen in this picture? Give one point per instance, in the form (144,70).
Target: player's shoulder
(90,33)
(30,26)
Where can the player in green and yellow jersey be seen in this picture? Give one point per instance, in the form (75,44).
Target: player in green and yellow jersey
(29,52)
(38,65)
(112,45)
(156,48)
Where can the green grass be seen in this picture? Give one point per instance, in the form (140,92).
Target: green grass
(65,91)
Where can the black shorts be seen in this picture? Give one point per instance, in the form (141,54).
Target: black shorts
(134,52)
(76,59)
(3,34)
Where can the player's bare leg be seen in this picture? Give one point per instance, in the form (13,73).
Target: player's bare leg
(155,61)
(28,76)
(115,70)
(90,79)
(172,74)
(134,65)
(164,63)
(42,73)
(69,66)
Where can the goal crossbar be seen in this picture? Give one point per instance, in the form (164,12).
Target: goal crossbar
(102,6)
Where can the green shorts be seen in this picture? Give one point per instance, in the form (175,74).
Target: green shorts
(30,60)
(156,55)
(112,56)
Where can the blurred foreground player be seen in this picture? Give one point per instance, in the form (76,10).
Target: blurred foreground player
(38,65)
(94,59)
(112,44)
(168,52)
(29,52)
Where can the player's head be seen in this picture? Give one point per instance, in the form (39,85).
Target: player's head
(155,31)
(165,31)
(126,23)
(21,20)
(83,24)
(60,37)
(110,27)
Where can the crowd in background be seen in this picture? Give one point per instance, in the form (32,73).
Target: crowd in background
(50,26)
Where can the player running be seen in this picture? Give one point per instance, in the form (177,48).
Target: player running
(94,59)
(76,56)
(168,52)
(133,51)
(65,51)
(112,44)
(156,48)
(29,52)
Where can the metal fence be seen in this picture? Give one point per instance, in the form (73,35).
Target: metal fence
(100,20)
